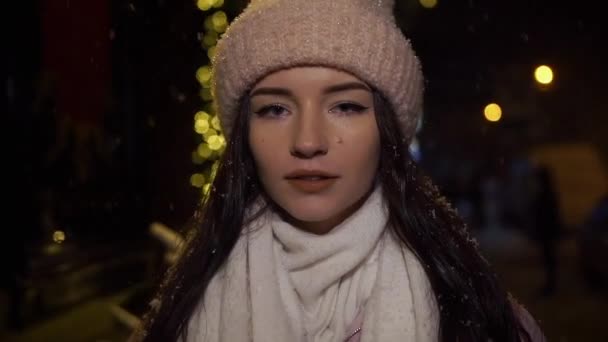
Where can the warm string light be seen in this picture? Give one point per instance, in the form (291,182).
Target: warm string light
(543,74)
(493,112)
(206,123)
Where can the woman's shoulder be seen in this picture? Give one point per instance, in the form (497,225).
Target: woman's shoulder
(528,322)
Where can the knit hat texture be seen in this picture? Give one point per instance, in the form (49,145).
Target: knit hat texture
(356,36)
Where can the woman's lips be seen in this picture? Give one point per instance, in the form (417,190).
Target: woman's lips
(311,184)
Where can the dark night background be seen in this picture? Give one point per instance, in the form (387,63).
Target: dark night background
(120,75)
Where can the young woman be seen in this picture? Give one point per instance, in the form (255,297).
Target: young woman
(319,226)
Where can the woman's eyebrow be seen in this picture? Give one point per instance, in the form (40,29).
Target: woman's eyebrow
(328,90)
(272,91)
(346,86)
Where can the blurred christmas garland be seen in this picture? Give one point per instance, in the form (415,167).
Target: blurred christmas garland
(210,140)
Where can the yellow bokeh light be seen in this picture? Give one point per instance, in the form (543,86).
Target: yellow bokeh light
(204,151)
(201,115)
(210,132)
(201,126)
(58,236)
(221,28)
(219,20)
(206,125)
(203,74)
(215,143)
(493,112)
(428,3)
(204,5)
(197,180)
(543,74)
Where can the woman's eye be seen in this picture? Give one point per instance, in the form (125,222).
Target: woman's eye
(349,108)
(271,110)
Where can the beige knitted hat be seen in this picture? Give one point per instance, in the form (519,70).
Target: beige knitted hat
(356,36)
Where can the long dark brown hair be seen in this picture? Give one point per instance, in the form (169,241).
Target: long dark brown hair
(473,306)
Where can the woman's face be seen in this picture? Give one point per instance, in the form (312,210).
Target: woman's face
(315,142)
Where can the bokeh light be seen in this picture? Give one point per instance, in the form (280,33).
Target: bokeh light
(428,3)
(493,112)
(543,74)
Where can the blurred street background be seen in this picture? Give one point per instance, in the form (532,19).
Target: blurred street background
(110,132)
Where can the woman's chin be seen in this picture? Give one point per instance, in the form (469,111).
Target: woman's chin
(310,215)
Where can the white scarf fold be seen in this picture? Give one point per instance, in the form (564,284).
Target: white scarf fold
(284,284)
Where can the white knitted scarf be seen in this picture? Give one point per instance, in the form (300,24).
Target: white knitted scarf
(283,284)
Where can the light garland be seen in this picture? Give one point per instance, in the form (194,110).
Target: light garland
(212,142)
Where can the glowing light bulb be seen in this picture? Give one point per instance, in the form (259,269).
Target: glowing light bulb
(543,74)
(59,236)
(493,112)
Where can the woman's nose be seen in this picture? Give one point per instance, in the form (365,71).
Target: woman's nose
(310,136)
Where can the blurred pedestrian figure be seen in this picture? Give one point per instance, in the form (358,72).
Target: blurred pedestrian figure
(547,226)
